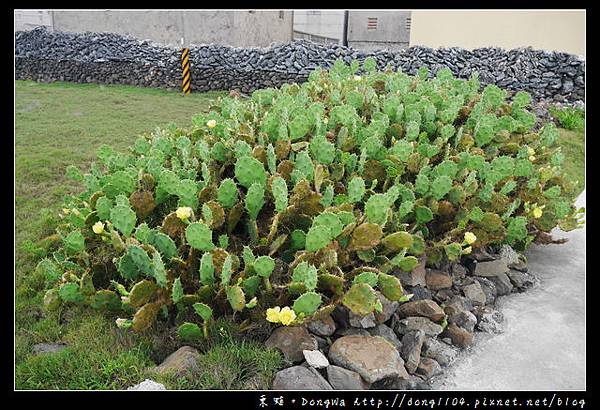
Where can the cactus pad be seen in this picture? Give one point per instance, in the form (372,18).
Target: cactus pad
(249,170)
(360,299)
(199,236)
(307,303)
(142,293)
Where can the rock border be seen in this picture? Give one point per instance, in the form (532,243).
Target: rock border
(411,345)
(109,58)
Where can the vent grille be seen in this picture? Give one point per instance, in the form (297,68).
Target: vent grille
(408,23)
(371,23)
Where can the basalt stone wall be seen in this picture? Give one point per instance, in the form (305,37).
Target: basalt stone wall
(108,58)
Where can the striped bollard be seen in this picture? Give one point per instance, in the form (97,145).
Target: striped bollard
(186,84)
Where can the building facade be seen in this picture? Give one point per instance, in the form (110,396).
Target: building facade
(238,28)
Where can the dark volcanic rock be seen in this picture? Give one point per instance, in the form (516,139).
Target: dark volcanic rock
(109,58)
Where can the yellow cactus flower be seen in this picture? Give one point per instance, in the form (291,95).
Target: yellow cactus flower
(470,238)
(98,227)
(530,151)
(531,158)
(211,124)
(184,212)
(287,316)
(325,121)
(273,314)
(537,212)
(467,250)
(66,211)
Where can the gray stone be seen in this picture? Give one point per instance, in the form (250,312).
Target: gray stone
(521,280)
(322,344)
(464,319)
(413,382)
(42,348)
(489,320)
(300,378)
(474,292)
(291,341)
(437,280)
(416,277)
(351,331)
(344,379)
(509,255)
(389,308)
(148,385)
(403,326)
(489,289)
(502,283)
(424,308)
(322,327)
(362,322)
(387,333)
(412,342)
(441,352)
(428,368)
(491,268)
(373,357)
(418,292)
(315,359)
(182,362)
(458,271)
(459,336)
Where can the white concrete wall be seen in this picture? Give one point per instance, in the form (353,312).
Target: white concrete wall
(552,30)
(28,19)
(240,28)
(326,23)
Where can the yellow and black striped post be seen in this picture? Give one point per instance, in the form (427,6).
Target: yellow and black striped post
(186,84)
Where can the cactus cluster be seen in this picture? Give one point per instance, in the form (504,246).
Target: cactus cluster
(308,196)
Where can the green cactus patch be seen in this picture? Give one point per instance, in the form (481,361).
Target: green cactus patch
(315,192)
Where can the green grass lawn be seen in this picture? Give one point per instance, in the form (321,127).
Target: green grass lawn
(573,147)
(61,124)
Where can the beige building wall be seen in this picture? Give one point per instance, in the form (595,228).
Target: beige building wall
(556,30)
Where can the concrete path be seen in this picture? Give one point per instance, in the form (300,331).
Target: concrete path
(543,346)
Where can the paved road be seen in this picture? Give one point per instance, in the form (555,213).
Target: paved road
(543,346)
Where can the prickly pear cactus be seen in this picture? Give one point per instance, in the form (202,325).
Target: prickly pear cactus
(199,236)
(307,197)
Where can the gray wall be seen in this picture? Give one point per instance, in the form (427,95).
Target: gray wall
(387,29)
(239,28)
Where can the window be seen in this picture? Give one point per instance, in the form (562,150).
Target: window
(371,23)
(281,14)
